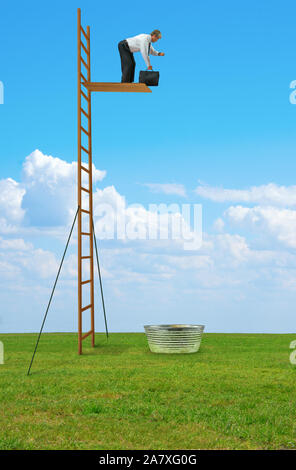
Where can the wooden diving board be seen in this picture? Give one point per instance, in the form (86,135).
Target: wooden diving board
(113,86)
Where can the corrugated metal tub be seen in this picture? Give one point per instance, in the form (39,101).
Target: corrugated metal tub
(174,338)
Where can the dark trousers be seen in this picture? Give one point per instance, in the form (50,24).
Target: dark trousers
(128,63)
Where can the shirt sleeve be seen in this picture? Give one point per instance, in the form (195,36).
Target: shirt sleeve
(153,51)
(144,51)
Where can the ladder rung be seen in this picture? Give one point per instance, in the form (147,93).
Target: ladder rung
(85,113)
(85,233)
(86,190)
(85,257)
(86,334)
(82,128)
(84,210)
(86,282)
(84,63)
(85,308)
(84,149)
(82,76)
(84,33)
(85,169)
(86,51)
(84,95)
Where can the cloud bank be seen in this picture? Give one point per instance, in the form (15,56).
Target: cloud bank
(167,188)
(241,278)
(269,194)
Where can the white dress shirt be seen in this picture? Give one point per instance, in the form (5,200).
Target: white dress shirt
(141,43)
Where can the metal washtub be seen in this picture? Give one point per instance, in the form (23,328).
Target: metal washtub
(170,339)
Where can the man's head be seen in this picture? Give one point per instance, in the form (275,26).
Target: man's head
(155,35)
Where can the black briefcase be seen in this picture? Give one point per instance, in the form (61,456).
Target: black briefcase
(149,77)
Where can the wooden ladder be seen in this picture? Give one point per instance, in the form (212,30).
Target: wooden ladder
(85,194)
(85,88)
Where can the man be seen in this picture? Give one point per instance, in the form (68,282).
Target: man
(142,43)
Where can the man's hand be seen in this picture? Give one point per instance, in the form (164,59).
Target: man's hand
(161,53)
(150,67)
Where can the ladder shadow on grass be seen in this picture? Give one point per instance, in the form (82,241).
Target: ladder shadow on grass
(107,350)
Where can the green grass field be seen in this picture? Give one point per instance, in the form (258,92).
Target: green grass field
(237,392)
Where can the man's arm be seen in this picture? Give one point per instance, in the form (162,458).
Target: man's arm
(144,51)
(153,51)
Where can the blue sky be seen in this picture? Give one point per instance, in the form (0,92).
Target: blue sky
(221,118)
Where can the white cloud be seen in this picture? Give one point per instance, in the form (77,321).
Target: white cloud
(276,222)
(50,183)
(193,262)
(40,262)
(269,194)
(142,273)
(17,244)
(26,262)
(9,271)
(52,171)
(167,188)
(232,246)
(45,197)
(219,225)
(114,218)
(45,201)
(11,211)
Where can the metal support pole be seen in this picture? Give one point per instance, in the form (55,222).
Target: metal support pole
(52,292)
(100,279)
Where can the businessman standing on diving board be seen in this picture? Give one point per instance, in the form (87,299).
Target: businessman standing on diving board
(140,43)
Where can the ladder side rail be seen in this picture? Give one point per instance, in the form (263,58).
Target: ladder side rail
(79,181)
(90,197)
(84,110)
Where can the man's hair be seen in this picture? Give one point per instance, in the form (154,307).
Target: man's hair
(156,33)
